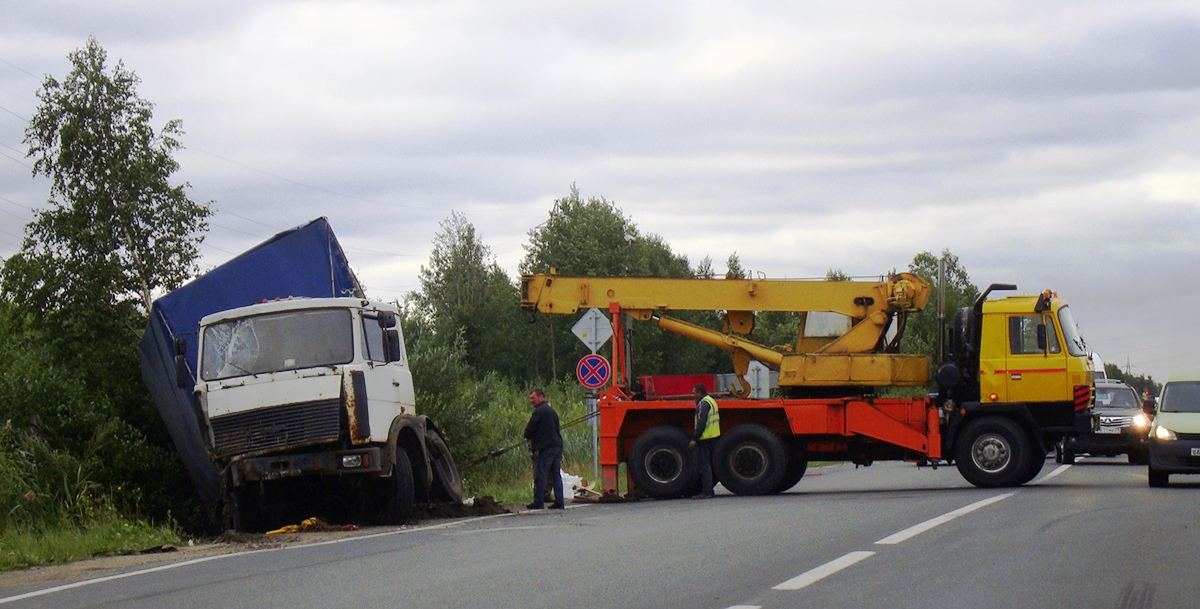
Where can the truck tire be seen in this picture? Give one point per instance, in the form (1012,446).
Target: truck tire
(795,471)
(1157,479)
(447,484)
(398,502)
(245,510)
(992,452)
(1035,467)
(661,464)
(750,460)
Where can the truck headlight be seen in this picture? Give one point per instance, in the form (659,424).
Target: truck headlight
(352,461)
(1141,421)
(1162,433)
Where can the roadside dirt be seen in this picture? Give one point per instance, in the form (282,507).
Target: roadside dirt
(228,542)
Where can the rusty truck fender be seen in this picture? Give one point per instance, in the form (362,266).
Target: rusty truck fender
(407,433)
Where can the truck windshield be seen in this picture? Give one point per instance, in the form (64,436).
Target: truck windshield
(277,341)
(1070,331)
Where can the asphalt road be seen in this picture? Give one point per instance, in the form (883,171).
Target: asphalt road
(891,535)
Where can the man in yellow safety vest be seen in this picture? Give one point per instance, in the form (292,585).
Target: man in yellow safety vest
(708,429)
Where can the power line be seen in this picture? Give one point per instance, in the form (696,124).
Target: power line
(309,186)
(18,68)
(15,160)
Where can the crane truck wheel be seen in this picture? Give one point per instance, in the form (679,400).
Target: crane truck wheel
(660,463)
(398,501)
(1036,464)
(447,484)
(992,452)
(795,471)
(750,460)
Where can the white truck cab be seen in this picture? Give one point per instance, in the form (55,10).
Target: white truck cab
(302,392)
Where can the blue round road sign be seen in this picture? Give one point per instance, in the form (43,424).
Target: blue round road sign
(593,371)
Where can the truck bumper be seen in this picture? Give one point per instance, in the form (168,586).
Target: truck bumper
(1106,444)
(329,463)
(1175,456)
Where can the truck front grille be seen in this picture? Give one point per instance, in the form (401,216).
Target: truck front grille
(277,427)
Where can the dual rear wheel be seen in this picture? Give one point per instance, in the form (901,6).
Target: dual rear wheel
(749,459)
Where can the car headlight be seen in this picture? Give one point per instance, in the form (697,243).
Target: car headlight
(1141,421)
(1162,433)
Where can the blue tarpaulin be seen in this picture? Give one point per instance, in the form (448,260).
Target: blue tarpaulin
(306,261)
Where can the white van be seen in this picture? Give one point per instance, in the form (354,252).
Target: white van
(1175,433)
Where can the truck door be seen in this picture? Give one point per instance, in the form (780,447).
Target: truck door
(389,384)
(1035,370)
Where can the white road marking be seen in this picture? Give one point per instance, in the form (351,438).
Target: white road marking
(917,529)
(88,582)
(745,607)
(1058,470)
(823,571)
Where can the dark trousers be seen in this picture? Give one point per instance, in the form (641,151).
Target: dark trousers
(704,460)
(549,463)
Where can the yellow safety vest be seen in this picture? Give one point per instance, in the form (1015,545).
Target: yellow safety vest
(713,428)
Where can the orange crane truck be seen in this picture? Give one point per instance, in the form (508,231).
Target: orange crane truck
(1016,379)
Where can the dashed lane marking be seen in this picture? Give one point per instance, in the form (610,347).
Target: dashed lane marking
(815,575)
(917,529)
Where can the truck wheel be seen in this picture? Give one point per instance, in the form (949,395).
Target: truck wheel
(447,484)
(398,500)
(660,463)
(993,451)
(1035,468)
(795,471)
(750,460)
(1158,479)
(245,510)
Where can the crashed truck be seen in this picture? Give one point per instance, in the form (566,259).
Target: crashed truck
(288,393)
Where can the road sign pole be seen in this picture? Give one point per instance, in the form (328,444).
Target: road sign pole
(592,408)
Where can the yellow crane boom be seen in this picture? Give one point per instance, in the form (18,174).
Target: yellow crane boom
(852,359)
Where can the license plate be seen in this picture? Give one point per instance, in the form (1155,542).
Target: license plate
(1196,452)
(1104,429)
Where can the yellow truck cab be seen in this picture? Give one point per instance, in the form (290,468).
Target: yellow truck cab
(1016,380)
(1031,351)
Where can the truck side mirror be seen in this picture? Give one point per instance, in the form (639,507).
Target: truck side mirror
(391,345)
(1041,337)
(182,375)
(386,319)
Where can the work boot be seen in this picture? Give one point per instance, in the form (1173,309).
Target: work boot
(536,506)
(558,506)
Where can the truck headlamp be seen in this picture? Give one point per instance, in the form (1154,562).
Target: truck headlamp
(1141,421)
(1162,433)
(352,461)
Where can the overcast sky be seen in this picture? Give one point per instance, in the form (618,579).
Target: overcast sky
(1055,145)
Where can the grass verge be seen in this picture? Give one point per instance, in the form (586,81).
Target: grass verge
(24,547)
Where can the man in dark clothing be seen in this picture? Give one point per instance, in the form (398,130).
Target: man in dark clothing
(708,429)
(547,445)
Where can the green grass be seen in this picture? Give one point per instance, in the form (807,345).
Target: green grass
(23,547)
